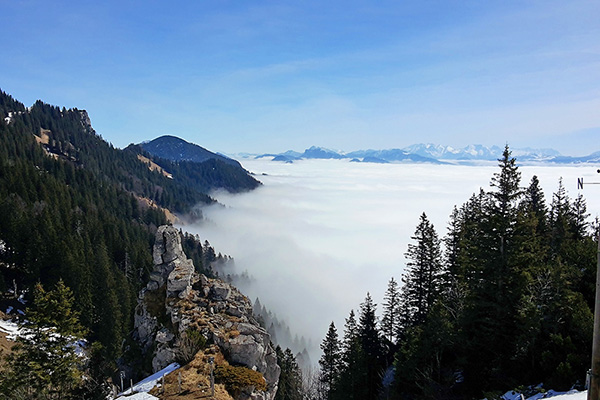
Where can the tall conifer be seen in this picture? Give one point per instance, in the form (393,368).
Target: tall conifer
(390,320)
(330,361)
(424,273)
(45,363)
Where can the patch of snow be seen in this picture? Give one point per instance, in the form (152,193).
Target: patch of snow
(147,384)
(10,328)
(21,312)
(570,395)
(9,309)
(139,396)
(512,395)
(79,347)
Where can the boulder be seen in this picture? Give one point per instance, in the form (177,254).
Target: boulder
(179,282)
(220,291)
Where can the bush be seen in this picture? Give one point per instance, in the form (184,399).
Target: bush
(239,379)
(191,342)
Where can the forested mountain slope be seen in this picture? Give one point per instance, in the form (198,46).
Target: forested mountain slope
(75,208)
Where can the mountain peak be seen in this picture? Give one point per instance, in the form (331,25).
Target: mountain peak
(320,152)
(176,149)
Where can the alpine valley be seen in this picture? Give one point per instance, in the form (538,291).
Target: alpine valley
(101,286)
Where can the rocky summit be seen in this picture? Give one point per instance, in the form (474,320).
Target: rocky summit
(178,303)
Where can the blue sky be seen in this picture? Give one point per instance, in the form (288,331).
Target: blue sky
(269,76)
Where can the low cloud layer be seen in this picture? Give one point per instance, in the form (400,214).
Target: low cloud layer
(320,234)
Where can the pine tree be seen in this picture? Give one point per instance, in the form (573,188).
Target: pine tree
(504,211)
(452,242)
(507,183)
(579,225)
(560,214)
(350,375)
(424,274)
(45,363)
(330,361)
(491,314)
(372,361)
(390,320)
(290,378)
(534,203)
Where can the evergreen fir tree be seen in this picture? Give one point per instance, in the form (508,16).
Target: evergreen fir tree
(507,183)
(350,375)
(290,378)
(424,274)
(491,314)
(534,203)
(560,214)
(580,224)
(390,320)
(372,361)
(330,361)
(45,363)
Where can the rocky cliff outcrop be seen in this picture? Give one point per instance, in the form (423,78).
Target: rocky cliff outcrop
(178,301)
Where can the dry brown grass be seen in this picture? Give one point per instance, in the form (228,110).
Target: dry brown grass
(5,344)
(44,138)
(172,218)
(153,166)
(232,334)
(195,380)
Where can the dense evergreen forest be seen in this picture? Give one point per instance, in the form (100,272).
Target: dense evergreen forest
(77,212)
(504,300)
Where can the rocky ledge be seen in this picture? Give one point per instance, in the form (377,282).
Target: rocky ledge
(178,301)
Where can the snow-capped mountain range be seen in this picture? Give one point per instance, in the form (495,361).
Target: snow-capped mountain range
(432,153)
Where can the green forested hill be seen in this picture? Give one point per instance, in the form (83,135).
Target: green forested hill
(71,208)
(176,149)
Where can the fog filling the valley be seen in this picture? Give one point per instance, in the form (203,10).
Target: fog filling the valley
(320,234)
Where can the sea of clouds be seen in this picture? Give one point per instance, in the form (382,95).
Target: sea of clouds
(320,234)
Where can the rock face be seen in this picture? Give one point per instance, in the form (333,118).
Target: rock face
(171,266)
(177,300)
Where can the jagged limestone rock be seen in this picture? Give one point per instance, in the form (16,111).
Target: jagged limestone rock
(252,348)
(177,299)
(167,246)
(179,282)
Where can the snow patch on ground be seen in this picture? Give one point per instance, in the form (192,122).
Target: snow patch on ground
(570,395)
(141,388)
(139,396)
(11,329)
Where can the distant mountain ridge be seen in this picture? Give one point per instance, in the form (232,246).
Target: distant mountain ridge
(434,154)
(176,149)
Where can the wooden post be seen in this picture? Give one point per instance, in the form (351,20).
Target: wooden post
(594,374)
(594,389)
(212,378)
